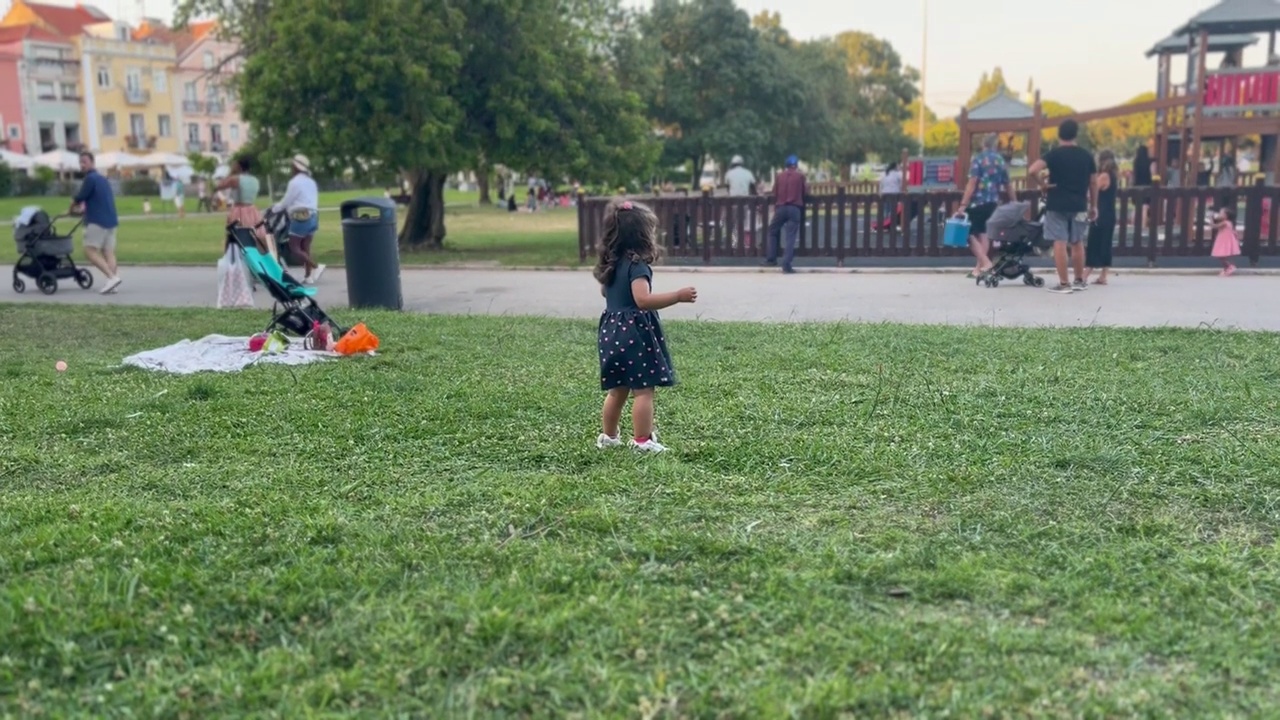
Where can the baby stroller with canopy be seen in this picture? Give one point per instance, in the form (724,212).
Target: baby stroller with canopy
(1015,237)
(43,254)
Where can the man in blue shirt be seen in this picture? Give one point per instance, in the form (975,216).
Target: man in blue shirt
(98,204)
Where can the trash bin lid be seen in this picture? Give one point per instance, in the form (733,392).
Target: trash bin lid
(386,208)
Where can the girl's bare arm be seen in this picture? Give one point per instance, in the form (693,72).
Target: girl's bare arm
(646,300)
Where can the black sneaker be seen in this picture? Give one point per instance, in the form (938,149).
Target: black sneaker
(1061,289)
(1079,286)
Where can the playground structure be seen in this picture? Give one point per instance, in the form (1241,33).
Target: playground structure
(1165,222)
(1211,105)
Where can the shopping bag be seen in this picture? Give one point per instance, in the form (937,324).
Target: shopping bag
(233,280)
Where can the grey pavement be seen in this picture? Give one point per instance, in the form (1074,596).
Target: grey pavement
(1135,298)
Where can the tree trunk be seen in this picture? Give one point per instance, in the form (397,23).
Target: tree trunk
(424,221)
(482,182)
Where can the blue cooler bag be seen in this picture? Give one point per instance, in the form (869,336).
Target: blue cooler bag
(956,234)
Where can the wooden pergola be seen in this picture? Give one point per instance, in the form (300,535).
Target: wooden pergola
(1034,125)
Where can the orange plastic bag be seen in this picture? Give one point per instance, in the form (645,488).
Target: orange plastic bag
(357,340)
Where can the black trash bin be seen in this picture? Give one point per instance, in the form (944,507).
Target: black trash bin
(372,253)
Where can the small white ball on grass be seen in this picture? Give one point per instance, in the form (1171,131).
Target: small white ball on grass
(61,365)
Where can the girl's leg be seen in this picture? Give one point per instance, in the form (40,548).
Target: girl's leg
(614,402)
(642,414)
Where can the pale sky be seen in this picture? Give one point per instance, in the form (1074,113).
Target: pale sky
(1090,57)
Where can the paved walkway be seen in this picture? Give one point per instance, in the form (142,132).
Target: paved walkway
(1134,299)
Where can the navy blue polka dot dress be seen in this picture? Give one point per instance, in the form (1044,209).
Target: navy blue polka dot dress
(633,350)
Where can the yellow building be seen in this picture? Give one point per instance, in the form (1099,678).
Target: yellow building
(130,102)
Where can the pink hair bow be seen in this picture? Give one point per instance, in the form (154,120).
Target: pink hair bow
(626,205)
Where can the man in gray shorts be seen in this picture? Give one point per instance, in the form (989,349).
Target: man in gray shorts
(98,204)
(1072,203)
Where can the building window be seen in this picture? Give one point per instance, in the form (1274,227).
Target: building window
(15,132)
(108,124)
(159,81)
(69,92)
(166,128)
(189,92)
(44,91)
(215,134)
(138,126)
(104,76)
(133,81)
(208,61)
(72,132)
(234,130)
(193,133)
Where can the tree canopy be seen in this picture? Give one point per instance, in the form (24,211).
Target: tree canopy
(570,90)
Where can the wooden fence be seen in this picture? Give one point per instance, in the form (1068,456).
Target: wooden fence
(846,226)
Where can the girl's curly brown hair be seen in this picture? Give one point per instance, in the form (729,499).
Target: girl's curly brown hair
(630,231)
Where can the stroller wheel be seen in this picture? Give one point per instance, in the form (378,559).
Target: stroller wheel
(84,279)
(18,285)
(47,283)
(1039,282)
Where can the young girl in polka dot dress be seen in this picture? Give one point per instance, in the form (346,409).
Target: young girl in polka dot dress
(633,351)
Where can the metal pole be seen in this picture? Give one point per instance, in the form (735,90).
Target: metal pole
(924,69)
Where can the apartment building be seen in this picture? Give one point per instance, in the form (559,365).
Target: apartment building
(41,106)
(130,102)
(210,106)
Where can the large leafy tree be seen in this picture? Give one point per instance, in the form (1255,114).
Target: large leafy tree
(709,97)
(431,87)
(883,89)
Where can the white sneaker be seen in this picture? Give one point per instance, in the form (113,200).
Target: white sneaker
(604,442)
(315,278)
(111,285)
(649,445)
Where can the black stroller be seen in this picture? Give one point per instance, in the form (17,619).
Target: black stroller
(1016,238)
(45,256)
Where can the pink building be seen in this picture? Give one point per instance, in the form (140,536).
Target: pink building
(12,137)
(210,108)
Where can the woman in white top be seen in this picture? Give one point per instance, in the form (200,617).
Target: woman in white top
(890,184)
(302,201)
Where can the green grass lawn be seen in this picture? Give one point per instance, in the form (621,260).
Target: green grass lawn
(850,524)
(132,205)
(475,235)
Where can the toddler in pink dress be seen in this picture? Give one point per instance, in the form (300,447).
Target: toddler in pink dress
(1225,243)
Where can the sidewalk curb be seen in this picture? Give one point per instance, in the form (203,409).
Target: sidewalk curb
(693,269)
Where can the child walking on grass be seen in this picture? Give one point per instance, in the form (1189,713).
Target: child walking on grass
(633,351)
(1225,243)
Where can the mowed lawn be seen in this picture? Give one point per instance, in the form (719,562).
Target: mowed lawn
(127,205)
(854,521)
(474,235)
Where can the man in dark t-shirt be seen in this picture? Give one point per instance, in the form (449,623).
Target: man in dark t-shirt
(1072,203)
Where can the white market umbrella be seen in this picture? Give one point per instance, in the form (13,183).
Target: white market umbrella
(60,160)
(221,171)
(183,173)
(16,161)
(118,161)
(156,159)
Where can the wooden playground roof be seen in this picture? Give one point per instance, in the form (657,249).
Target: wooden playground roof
(1178,44)
(1235,16)
(1001,106)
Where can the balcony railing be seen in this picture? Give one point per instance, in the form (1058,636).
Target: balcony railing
(1242,90)
(137,97)
(192,107)
(139,142)
(217,146)
(195,146)
(216,107)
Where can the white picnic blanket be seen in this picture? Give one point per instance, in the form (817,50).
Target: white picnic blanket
(219,353)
